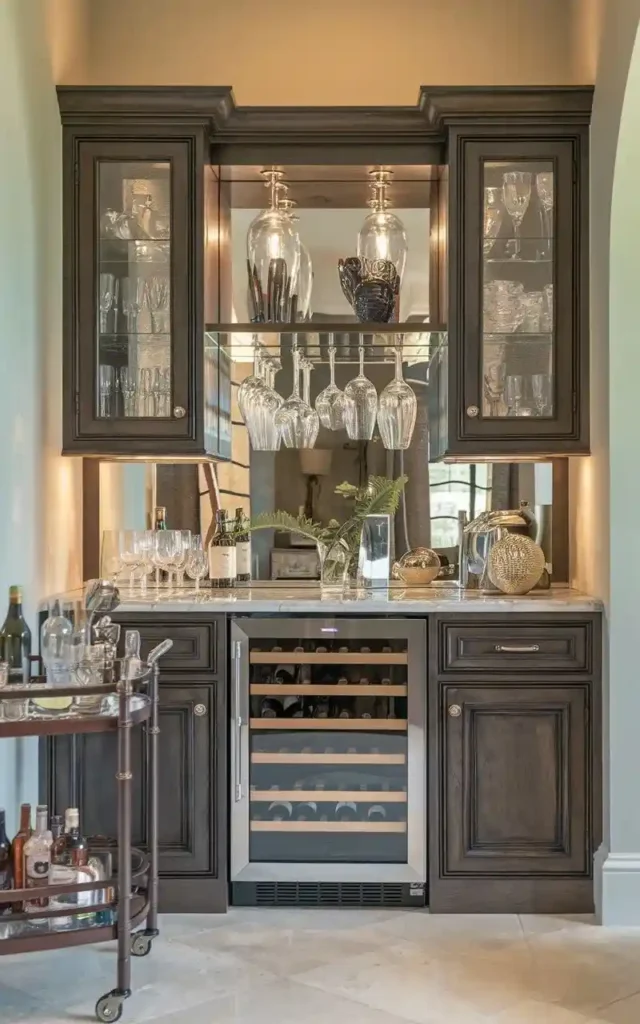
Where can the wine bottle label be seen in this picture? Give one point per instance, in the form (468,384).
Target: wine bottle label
(222,563)
(243,558)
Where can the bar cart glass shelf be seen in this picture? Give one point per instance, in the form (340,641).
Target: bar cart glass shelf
(129,898)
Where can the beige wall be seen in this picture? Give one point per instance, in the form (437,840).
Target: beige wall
(333,52)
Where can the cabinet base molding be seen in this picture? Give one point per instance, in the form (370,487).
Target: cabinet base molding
(513,896)
(193,896)
(620,889)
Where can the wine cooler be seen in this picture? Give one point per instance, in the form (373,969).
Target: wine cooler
(328,739)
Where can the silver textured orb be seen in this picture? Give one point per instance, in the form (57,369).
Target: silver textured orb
(516,563)
(418,567)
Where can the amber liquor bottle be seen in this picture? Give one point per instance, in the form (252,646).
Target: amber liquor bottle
(76,846)
(17,849)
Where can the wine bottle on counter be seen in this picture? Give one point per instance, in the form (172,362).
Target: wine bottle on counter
(15,638)
(159,518)
(5,857)
(243,548)
(222,553)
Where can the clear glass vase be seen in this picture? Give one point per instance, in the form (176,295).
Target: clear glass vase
(335,562)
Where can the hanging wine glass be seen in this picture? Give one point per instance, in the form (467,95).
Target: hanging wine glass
(397,407)
(362,404)
(249,391)
(273,256)
(297,422)
(382,235)
(267,402)
(331,404)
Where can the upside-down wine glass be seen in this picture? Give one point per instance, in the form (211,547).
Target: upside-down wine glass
(516,192)
(249,388)
(362,404)
(397,408)
(297,422)
(493,210)
(331,404)
(264,406)
(107,294)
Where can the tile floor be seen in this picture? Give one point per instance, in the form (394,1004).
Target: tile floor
(345,967)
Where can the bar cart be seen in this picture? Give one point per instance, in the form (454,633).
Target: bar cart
(130,898)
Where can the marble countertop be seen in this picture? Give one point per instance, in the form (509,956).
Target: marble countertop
(394,600)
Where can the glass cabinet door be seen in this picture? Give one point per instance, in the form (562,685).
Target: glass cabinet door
(133,344)
(519,348)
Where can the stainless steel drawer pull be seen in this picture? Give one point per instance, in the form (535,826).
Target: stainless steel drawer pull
(454,711)
(517,648)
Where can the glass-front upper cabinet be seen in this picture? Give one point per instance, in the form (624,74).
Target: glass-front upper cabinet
(518,334)
(139,377)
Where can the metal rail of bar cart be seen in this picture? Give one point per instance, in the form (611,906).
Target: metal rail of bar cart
(129,899)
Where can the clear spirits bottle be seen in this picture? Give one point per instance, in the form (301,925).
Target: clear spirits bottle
(37,859)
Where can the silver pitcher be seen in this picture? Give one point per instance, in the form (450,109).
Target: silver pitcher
(479,536)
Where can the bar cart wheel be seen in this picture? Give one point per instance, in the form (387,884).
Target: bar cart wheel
(109,1007)
(141,944)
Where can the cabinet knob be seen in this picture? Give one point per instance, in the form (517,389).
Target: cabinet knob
(179,411)
(472,411)
(200,710)
(454,711)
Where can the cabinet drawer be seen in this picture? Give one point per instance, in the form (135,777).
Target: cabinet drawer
(194,644)
(521,647)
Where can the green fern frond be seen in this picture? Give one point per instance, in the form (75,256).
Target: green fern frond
(287,523)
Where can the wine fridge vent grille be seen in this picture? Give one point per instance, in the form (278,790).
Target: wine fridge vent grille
(314,894)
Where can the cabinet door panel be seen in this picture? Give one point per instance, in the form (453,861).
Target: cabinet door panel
(516,780)
(133,365)
(188,836)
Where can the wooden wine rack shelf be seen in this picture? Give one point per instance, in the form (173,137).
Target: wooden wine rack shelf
(332,724)
(279,758)
(329,795)
(328,690)
(328,658)
(328,826)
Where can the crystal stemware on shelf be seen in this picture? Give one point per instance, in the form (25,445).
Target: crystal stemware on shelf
(397,408)
(106,387)
(131,552)
(514,395)
(362,404)
(159,298)
(128,387)
(382,235)
(180,562)
(493,213)
(297,422)
(494,384)
(532,302)
(331,404)
(161,391)
(197,565)
(541,392)
(133,298)
(544,188)
(516,192)
(503,306)
(107,292)
(146,405)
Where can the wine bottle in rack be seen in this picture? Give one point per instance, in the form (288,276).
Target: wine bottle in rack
(306,810)
(280,810)
(343,650)
(382,707)
(365,650)
(321,709)
(365,705)
(293,707)
(298,649)
(271,708)
(321,649)
(376,812)
(346,810)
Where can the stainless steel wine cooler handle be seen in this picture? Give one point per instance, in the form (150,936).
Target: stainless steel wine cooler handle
(517,648)
(237,721)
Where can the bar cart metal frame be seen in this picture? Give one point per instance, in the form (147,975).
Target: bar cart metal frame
(131,909)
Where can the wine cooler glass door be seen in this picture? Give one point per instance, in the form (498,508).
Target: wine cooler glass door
(328,751)
(134,290)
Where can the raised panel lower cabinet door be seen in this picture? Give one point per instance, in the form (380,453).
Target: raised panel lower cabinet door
(516,780)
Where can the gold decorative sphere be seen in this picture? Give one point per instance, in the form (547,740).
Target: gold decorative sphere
(515,564)
(418,567)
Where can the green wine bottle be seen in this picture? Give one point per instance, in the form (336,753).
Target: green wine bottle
(15,637)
